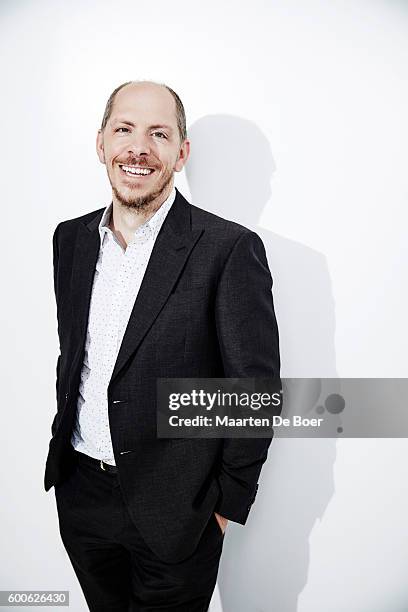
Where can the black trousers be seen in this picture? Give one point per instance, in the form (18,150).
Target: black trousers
(117,571)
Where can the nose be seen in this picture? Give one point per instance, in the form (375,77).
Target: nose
(139,145)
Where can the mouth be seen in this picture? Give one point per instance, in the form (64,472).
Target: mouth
(136,172)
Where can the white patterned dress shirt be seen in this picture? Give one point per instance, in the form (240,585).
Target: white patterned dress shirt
(118,276)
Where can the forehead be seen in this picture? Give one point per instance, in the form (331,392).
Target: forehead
(150,103)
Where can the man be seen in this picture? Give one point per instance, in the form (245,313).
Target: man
(151,287)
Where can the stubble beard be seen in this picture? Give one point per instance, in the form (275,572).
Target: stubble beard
(142,203)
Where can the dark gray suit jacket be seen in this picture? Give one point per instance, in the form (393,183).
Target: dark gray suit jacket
(204,309)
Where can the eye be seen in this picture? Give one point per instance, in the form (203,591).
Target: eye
(122,128)
(160,134)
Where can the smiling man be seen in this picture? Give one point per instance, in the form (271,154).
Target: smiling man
(151,287)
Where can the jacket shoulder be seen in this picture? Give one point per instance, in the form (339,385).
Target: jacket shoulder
(215,224)
(85,219)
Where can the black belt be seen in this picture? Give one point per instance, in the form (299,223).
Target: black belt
(95,463)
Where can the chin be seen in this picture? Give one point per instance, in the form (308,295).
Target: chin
(136,199)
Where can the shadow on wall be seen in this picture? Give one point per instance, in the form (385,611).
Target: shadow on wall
(264,566)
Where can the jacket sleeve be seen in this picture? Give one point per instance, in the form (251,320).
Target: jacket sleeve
(249,343)
(55,249)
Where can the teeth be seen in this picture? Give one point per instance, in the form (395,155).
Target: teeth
(135,170)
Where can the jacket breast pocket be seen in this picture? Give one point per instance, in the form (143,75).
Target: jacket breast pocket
(172,325)
(186,297)
(181,305)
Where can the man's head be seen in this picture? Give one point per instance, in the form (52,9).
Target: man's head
(142,141)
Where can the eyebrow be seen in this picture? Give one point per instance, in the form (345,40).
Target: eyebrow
(151,127)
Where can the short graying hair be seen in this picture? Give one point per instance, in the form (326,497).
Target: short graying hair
(180,113)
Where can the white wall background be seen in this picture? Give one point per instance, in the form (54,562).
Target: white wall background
(298,122)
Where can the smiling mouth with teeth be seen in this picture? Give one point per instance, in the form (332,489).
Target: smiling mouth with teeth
(139,171)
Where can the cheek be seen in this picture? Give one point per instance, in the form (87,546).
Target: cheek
(166,154)
(172,162)
(116,152)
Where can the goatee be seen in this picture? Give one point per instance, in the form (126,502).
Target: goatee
(142,202)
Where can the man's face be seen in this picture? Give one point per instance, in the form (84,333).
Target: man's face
(140,145)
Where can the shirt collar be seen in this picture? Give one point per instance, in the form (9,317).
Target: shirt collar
(148,229)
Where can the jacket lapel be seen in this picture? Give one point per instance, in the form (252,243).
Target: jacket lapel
(173,245)
(83,269)
(171,249)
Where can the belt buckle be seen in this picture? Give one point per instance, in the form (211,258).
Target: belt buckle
(101,464)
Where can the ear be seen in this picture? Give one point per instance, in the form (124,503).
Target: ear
(183,156)
(99,147)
